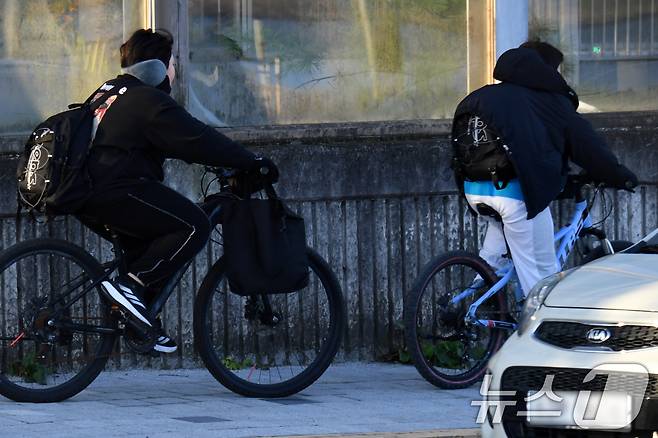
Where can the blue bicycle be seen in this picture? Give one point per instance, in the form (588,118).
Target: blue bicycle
(460,311)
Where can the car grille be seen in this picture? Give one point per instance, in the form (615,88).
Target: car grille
(572,334)
(524,379)
(521,380)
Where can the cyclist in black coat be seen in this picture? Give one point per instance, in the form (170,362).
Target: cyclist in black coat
(532,114)
(137,127)
(534,110)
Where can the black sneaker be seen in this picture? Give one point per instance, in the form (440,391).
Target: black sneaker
(164,343)
(126,293)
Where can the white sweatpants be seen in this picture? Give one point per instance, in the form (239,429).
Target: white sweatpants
(530,241)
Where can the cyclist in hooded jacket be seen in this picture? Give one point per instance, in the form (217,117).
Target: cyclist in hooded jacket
(532,114)
(137,127)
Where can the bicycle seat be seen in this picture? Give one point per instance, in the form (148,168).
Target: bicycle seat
(485,210)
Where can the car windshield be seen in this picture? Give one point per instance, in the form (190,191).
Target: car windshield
(648,245)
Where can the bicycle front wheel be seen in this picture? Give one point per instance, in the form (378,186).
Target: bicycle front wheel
(448,352)
(45,294)
(274,347)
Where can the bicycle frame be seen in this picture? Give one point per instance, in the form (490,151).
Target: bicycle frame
(564,239)
(110,267)
(211,208)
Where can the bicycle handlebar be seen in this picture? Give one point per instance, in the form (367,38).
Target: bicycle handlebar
(242,183)
(583,179)
(575,183)
(227,172)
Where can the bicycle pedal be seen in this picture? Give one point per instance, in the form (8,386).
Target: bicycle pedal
(270,319)
(139,341)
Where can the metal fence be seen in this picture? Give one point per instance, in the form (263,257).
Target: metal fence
(375,245)
(377,210)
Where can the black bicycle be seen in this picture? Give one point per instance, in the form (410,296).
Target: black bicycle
(57,332)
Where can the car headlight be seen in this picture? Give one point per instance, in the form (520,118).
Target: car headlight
(537,296)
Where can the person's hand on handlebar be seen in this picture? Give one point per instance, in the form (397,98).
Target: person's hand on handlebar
(266,169)
(624,180)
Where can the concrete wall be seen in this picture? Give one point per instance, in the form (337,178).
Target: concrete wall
(379,203)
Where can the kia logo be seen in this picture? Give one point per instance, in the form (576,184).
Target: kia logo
(598,335)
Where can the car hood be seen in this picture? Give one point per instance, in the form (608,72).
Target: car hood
(621,282)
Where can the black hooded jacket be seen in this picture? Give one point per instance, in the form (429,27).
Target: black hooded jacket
(142,127)
(534,110)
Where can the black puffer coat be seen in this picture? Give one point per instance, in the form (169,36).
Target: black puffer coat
(534,110)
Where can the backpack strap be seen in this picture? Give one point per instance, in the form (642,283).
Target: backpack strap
(270,192)
(30,212)
(106,94)
(93,106)
(497,182)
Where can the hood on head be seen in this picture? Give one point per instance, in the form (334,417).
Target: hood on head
(526,68)
(151,72)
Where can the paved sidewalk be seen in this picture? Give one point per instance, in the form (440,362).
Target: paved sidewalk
(349,399)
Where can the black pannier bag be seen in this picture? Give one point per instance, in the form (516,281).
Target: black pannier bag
(479,153)
(264,246)
(51,174)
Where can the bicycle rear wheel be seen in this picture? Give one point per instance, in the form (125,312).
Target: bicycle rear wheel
(257,353)
(42,358)
(448,352)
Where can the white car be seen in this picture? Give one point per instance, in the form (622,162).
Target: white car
(584,361)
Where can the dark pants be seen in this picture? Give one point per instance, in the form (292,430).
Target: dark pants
(159,229)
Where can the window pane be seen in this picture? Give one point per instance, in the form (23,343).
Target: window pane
(610,47)
(53,53)
(305,61)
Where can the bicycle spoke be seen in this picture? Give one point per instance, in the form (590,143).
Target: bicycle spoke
(449,346)
(271,341)
(16,340)
(47,337)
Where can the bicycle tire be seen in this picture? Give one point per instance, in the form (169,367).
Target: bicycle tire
(413,304)
(87,375)
(598,252)
(299,382)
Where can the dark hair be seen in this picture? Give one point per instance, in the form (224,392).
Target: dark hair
(147,44)
(551,55)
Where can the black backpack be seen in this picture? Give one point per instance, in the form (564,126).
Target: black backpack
(52,176)
(264,246)
(479,152)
